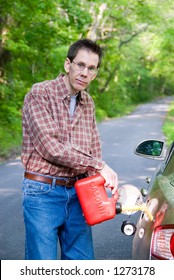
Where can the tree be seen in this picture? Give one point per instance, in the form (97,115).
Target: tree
(35,36)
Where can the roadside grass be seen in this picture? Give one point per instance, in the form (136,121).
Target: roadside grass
(168,127)
(122,110)
(10,143)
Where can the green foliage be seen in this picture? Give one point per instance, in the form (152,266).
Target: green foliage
(137,37)
(10,130)
(168,127)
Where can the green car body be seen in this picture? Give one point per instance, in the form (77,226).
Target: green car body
(155,239)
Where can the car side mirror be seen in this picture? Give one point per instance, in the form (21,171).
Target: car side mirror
(150,148)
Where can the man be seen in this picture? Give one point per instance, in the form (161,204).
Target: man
(60,146)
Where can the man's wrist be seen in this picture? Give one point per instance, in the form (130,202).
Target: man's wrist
(101,167)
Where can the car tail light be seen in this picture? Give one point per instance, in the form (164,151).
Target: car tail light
(162,245)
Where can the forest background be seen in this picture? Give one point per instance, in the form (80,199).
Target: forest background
(138,64)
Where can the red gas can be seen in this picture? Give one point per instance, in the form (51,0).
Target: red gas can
(96,205)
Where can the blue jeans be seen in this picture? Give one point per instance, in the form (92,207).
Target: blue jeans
(53,213)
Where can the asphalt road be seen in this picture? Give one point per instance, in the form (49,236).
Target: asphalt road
(119,138)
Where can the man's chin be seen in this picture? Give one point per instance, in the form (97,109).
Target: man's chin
(80,88)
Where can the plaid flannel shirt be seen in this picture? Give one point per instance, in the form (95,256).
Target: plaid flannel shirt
(53,144)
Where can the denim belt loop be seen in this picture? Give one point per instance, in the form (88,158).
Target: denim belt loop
(53,185)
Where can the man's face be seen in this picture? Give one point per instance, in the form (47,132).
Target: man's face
(77,80)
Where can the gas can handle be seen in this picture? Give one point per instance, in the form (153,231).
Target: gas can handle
(115,195)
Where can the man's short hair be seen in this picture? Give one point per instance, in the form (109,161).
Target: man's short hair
(85,44)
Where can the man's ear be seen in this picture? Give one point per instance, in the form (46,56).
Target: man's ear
(67,65)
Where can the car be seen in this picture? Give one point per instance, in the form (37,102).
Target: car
(154,238)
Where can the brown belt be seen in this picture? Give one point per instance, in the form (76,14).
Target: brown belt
(67,182)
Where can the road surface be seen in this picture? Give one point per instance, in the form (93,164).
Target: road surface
(119,137)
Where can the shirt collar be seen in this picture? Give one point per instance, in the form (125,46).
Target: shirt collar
(63,91)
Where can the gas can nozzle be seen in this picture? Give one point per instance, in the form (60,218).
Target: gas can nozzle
(125,209)
(118,208)
(130,201)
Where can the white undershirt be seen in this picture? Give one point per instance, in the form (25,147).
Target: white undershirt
(73,101)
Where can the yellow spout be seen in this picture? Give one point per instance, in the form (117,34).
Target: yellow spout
(143,207)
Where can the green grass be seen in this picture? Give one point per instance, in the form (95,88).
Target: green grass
(121,111)
(10,142)
(168,127)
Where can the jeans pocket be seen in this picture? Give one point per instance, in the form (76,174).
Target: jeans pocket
(31,187)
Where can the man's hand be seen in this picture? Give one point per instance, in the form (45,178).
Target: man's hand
(110,177)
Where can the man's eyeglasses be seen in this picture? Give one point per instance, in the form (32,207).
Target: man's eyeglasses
(81,66)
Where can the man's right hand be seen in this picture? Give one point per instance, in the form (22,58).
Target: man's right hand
(110,177)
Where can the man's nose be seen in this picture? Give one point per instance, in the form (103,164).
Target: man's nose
(85,71)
